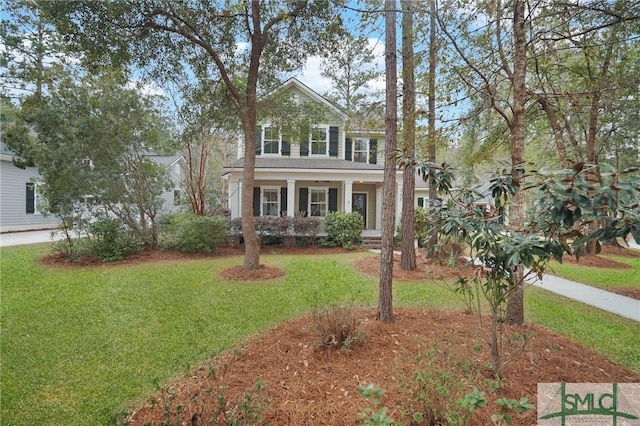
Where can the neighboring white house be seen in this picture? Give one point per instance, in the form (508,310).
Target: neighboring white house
(19,197)
(174,165)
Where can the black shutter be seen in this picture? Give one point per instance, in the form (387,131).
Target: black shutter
(333,141)
(283,201)
(303,201)
(258,140)
(348,147)
(304,142)
(286,147)
(373,151)
(333,199)
(256,201)
(31,198)
(420,202)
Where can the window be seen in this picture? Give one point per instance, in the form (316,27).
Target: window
(318,202)
(270,201)
(271,140)
(361,150)
(35,201)
(319,139)
(176,197)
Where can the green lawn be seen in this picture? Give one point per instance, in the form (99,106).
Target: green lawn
(81,345)
(604,278)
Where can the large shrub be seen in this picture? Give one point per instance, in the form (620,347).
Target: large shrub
(272,229)
(110,239)
(344,229)
(306,230)
(190,233)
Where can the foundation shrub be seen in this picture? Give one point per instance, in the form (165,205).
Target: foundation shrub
(343,230)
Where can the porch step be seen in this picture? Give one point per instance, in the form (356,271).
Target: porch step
(372,242)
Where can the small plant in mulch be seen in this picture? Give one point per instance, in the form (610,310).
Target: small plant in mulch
(339,328)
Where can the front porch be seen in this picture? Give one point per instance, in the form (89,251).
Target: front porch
(314,198)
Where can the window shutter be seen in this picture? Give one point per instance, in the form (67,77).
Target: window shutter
(258,139)
(333,141)
(256,201)
(303,201)
(304,142)
(283,201)
(348,148)
(420,202)
(31,198)
(333,199)
(373,151)
(286,148)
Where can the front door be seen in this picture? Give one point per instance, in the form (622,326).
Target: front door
(359,203)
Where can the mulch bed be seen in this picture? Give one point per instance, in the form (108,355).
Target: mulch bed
(305,383)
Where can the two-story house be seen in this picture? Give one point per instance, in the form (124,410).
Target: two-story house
(328,168)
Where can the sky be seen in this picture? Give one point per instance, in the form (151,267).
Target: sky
(311,73)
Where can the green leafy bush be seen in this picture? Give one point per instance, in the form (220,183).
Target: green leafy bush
(374,415)
(421,224)
(306,230)
(344,229)
(111,240)
(190,233)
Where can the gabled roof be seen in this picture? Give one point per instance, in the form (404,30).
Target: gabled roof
(164,160)
(294,82)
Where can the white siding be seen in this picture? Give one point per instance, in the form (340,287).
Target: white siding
(13,200)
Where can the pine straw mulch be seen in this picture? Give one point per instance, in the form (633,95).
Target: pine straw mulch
(306,383)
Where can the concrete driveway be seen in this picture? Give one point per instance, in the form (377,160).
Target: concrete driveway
(27,237)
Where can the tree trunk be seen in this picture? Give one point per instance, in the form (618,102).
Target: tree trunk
(433,193)
(408,258)
(251,241)
(558,134)
(515,301)
(515,304)
(385,296)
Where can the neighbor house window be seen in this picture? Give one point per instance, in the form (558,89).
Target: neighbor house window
(35,201)
(318,202)
(176,197)
(319,140)
(270,201)
(271,140)
(361,150)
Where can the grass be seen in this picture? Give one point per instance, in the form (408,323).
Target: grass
(81,346)
(613,336)
(604,278)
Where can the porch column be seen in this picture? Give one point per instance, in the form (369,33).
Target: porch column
(379,207)
(235,198)
(291,198)
(348,191)
(399,202)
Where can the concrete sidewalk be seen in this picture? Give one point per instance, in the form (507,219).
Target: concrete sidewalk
(601,299)
(27,237)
